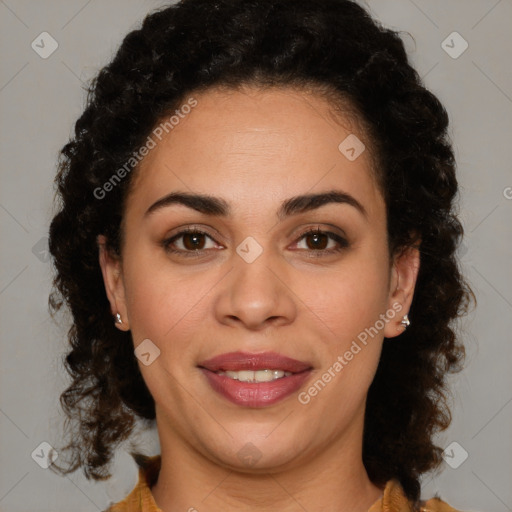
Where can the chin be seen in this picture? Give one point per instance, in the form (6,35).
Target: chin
(259,452)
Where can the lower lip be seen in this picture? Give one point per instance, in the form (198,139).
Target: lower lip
(260,394)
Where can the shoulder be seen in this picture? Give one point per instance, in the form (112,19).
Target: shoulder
(436,505)
(140,498)
(394,500)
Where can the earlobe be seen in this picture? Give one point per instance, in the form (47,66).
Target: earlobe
(114,285)
(403,282)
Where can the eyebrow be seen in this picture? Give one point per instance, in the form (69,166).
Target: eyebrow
(216,206)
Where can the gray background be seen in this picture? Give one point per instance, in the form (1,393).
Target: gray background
(41,98)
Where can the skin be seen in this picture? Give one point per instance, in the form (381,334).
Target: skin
(256,148)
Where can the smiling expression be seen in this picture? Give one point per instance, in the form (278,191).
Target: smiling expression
(248,230)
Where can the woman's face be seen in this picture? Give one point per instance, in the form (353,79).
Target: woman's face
(256,281)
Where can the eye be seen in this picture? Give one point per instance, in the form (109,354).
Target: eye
(193,242)
(188,242)
(322,242)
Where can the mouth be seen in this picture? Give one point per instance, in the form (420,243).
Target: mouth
(265,375)
(244,361)
(255,380)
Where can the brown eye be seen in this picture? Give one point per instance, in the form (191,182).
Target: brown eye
(192,241)
(189,242)
(320,242)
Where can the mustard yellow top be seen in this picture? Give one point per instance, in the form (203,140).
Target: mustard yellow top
(141,499)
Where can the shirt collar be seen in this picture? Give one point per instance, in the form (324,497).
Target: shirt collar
(141,499)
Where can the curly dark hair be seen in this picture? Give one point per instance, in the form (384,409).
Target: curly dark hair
(333,46)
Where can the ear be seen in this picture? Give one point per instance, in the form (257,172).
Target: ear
(404,274)
(114,284)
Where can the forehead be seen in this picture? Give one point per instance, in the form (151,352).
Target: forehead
(253,146)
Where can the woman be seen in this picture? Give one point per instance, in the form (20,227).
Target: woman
(256,239)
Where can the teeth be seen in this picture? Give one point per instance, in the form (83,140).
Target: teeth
(256,376)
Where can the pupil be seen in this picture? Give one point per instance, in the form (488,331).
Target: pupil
(194,244)
(315,244)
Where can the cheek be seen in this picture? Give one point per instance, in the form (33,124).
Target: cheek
(162,301)
(349,299)
(347,307)
(149,292)
(164,307)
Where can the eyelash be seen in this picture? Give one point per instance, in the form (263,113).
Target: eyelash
(342,242)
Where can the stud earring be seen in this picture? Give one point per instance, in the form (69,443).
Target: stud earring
(405,322)
(118,318)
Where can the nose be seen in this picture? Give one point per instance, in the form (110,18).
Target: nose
(256,295)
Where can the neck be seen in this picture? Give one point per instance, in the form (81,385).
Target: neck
(333,480)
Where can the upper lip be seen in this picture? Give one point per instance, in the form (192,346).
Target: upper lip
(236,361)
